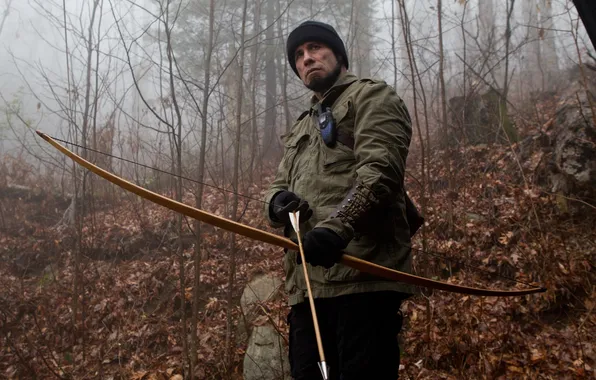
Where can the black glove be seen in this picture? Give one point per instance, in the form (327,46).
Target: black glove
(285,202)
(322,246)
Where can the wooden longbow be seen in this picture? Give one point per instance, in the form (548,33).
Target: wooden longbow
(267,237)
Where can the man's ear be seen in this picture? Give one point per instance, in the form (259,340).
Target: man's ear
(340,61)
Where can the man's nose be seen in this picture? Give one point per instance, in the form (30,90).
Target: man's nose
(308,58)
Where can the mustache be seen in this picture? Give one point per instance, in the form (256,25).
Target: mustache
(311,70)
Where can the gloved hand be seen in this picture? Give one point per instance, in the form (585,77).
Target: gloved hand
(322,246)
(285,202)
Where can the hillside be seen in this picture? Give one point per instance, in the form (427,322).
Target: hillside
(132,304)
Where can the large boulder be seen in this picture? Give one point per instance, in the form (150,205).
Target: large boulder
(562,157)
(480,119)
(574,138)
(260,289)
(266,357)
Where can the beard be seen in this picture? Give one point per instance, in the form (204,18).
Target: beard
(322,84)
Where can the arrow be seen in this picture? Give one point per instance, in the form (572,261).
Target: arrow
(294,219)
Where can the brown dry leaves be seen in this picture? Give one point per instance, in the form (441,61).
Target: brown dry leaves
(132,306)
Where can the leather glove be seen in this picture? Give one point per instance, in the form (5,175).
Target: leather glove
(322,246)
(285,202)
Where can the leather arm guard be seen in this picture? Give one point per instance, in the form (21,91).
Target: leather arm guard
(356,206)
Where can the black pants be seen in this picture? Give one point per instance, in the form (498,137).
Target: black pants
(359,333)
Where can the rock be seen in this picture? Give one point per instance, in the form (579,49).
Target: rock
(574,144)
(562,157)
(573,135)
(260,289)
(266,358)
(480,119)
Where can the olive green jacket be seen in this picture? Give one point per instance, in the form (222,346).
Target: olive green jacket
(379,122)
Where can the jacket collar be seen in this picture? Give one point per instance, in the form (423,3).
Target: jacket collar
(344,81)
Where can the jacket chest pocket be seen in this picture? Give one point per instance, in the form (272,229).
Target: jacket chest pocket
(294,143)
(341,157)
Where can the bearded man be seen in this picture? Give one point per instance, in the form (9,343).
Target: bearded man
(343,168)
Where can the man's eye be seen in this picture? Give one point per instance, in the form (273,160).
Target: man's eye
(315,47)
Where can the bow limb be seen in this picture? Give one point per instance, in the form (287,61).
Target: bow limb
(395,275)
(267,237)
(173,205)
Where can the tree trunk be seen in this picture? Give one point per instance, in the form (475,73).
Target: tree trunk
(362,44)
(79,212)
(199,194)
(254,142)
(5,15)
(176,128)
(270,144)
(412,64)
(283,68)
(550,61)
(445,129)
(505,124)
(235,186)
(532,60)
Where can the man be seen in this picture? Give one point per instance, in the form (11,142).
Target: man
(343,169)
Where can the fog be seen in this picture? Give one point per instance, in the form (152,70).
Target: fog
(36,71)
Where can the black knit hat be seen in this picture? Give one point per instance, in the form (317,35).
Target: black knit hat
(315,31)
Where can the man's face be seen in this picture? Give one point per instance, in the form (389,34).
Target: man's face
(317,66)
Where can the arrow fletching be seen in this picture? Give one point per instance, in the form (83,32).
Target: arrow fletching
(294,218)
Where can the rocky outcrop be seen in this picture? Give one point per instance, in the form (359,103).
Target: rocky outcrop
(574,142)
(260,289)
(266,356)
(480,119)
(563,155)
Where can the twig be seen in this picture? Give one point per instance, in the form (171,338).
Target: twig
(274,324)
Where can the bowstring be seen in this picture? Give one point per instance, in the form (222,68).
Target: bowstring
(443,256)
(440,255)
(160,170)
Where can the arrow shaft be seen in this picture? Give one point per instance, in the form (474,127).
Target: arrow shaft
(311,300)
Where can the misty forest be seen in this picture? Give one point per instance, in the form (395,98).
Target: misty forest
(190,99)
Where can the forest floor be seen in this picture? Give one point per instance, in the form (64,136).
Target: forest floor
(494,222)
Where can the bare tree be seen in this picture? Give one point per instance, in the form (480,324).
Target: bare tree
(235,185)
(393,42)
(445,126)
(176,128)
(283,70)
(360,44)
(253,87)
(270,145)
(5,15)
(200,188)
(415,81)
(505,123)
(533,57)
(550,61)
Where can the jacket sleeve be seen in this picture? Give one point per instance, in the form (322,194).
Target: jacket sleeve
(382,134)
(278,184)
